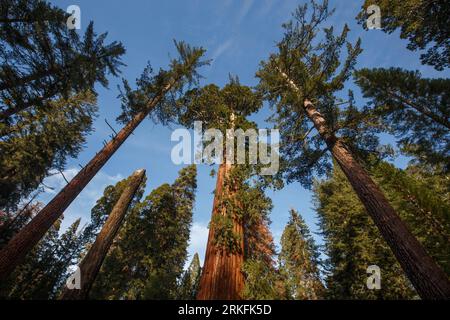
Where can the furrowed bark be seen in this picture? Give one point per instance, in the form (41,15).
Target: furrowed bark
(426,276)
(92,262)
(18,247)
(222,277)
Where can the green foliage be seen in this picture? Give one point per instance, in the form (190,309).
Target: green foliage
(319,69)
(215,106)
(42,60)
(46,269)
(147,258)
(182,73)
(424,23)
(40,143)
(190,281)
(261,282)
(262,279)
(415,109)
(352,242)
(225,238)
(299,261)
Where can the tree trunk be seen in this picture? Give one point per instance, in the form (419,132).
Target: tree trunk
(19,246)
(90,266)
(425,275)
(222,277)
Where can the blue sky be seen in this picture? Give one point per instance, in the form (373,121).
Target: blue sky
(237,34)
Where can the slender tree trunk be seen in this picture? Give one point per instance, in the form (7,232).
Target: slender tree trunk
(90,266)
(19,246)
(426,276)
(421,109)
(222,277)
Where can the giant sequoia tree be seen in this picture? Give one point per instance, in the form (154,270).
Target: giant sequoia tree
(301,80)
(223,109)
(415,109)
(423,22)
(153,96)
(42,59)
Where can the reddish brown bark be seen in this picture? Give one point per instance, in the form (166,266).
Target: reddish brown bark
(19,246)
(90,266)
(222,277)
(426,276)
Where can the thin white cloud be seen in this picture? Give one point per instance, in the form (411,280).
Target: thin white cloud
(244,10)
(82,205)
(265,7)
(221,49)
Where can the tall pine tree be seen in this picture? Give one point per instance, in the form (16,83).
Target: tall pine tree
(154,96)
(299,261)
(302,80)
(42,59)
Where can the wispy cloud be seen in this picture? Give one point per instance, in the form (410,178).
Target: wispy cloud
(221,49)
(82,205)
(244,10)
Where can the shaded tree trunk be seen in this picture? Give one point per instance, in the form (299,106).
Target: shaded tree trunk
(92,262)
(222,277)
(21,244)
(426,276)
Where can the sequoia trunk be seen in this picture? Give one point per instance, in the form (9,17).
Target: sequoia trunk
(222,277)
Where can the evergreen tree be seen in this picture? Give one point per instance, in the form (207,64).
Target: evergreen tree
(91,263)
(299,261)
(262,279)
(45,270)
(414,109)
(221,109)
(424,23)
(352,242)
(188,287)
(302,80)
(42,59)
(39,144)
(148,256)
(154,96)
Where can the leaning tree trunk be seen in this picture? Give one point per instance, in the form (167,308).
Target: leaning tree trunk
(426,276)
(222,277)
(90,266)
(19,246)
